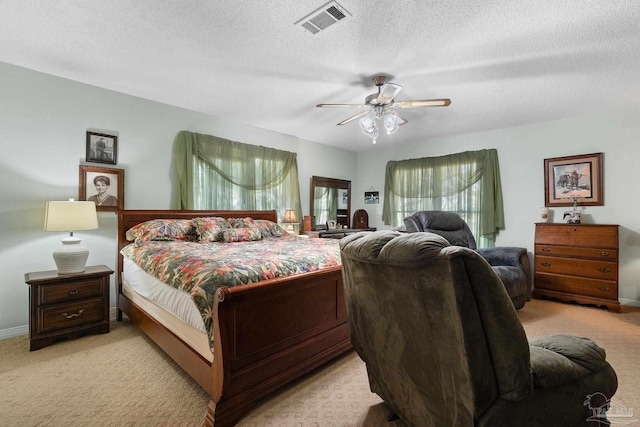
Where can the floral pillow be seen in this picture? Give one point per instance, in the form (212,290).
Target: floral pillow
(162,229)
(242,222)
(210,228)
(244,234)
(270,228)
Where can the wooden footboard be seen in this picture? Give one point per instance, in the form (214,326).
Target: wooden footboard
(266,334)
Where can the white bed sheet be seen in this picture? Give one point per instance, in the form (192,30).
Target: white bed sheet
(177,302)
(137,284)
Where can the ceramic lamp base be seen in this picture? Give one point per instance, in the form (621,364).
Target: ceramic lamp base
(71,257)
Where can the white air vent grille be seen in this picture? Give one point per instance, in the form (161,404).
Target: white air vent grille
(323,17)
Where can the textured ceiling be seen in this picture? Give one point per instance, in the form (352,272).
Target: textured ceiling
(503,63)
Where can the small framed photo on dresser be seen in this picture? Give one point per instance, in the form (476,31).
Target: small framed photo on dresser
(102,148)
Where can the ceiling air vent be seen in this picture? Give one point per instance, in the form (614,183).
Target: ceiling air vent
(323,17)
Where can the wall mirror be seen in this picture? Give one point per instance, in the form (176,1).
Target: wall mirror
(330,201)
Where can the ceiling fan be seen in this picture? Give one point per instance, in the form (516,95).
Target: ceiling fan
(382,106)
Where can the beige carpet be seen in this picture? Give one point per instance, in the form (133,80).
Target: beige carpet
(122,379)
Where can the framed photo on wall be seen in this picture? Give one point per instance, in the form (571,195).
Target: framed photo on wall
(574,178)
(104,186)
(102,148)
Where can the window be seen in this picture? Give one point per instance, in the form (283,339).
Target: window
(215,173)
(466,183)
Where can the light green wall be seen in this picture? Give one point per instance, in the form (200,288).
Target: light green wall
(43,124)
(521,152)
(43,120)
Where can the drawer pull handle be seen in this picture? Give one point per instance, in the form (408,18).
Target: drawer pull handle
(546,249)
(546,264)
(73,291)
(605,289)
(604,270)
(603,253)
(72,315)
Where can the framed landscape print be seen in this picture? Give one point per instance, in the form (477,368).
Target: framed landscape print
(104,186)
(102,148)
(574,178)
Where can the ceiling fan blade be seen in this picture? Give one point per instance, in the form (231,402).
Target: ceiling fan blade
(343,105)
(423,103)
(354,117)
(387,92)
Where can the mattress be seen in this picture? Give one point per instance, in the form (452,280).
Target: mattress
(172,308)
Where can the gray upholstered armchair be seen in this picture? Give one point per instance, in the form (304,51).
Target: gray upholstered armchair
(510,263)
(444,346)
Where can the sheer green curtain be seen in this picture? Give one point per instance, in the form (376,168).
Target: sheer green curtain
(216,173)
(325,205)
(467,183)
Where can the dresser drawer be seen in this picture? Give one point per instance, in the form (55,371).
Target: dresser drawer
(72,291)
(578,235)
(577,285)
(596,269)
(69,315)
(579,252)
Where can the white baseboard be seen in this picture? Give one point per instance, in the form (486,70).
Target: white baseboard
(14,332)
(630,302)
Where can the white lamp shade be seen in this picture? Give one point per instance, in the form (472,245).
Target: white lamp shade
(70,216)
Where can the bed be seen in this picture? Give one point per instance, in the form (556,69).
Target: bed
(264,334)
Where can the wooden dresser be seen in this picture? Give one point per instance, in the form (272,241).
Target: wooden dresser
(577,262)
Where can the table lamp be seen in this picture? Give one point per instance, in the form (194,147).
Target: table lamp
(70,216)
(290,218)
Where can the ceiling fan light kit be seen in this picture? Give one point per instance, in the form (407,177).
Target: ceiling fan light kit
(381,106)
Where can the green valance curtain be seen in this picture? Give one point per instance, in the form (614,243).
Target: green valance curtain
(217,173)
(467,183)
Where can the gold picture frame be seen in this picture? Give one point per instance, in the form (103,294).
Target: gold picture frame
(574,179)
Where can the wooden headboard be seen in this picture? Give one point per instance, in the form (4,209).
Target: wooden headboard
(129,218)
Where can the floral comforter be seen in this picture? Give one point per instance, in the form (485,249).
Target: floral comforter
(201,268)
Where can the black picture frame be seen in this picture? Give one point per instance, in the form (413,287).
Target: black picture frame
(102,148)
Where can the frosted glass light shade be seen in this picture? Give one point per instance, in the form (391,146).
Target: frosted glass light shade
(70,216)
(391,122)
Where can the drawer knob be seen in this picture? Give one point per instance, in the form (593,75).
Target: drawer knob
(72,315)
(73,291)
(546,249)
(603,253)
(545,264)
(604,270)
(604,288)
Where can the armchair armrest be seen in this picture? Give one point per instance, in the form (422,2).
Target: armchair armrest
(503,255)
(509,256)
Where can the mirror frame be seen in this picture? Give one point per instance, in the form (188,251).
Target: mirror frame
(321,181)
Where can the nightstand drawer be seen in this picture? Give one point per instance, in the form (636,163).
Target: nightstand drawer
(73,291)
(70,315)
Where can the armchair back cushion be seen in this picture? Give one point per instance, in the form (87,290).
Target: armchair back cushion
(447,224)
(387,329)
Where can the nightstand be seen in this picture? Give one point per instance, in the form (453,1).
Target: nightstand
(67,305)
